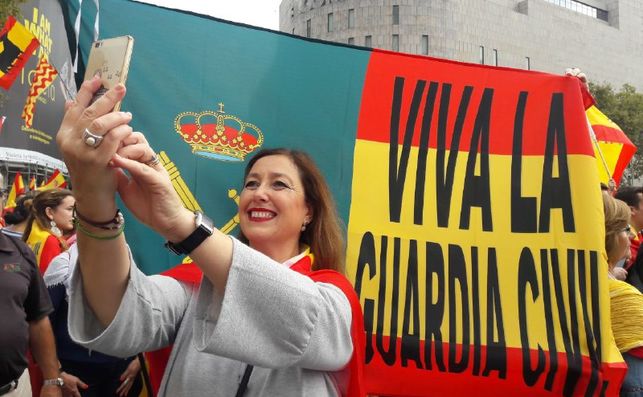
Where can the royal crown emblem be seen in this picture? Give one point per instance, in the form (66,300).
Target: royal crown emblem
(218,135)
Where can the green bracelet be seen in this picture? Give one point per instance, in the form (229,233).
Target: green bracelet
(87,233)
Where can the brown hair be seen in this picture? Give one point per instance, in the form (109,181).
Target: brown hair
(617,215)
(46,199)
(323,234)
(22,209)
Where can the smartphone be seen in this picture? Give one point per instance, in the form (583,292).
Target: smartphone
(109,58)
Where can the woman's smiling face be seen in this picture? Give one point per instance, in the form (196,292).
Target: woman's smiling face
(272,205)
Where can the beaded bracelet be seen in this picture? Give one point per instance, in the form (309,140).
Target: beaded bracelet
(113,224)
(87,233)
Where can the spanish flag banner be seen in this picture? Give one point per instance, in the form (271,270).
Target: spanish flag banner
(43,76)
(470,193)
(17,189)
(32,183)
(57,179)
(17,44)
(613,148)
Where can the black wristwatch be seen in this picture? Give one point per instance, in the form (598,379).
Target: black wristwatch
(204,229)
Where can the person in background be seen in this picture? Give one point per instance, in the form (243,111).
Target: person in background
(626,302)
(633,197)
(3,198)
(24,306)
(104,376)
(16,220)
(273,317)
(50,225)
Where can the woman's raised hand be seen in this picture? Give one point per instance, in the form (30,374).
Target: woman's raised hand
(97,145)
(88,138)
(148,192)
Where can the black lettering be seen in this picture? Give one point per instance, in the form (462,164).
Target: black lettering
(397,172)
(411,339)
(477,187)
(423,151)
(388,354)
(592,329)
(527,276)
(496,349)
(458,273)
(434,312)
(444,181)
(366,259)
(556,192)
(475,292)
(549,321)
(523,209)
(570,336)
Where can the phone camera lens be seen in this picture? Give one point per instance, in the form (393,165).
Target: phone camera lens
(97,45)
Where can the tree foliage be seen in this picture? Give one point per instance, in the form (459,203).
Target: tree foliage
(9,7)
(625,108)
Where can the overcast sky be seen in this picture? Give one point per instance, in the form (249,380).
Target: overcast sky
(264,13)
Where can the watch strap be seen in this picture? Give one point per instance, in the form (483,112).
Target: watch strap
(204,229)
(54,382)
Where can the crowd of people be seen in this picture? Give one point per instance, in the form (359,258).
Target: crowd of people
(39,228)
(266,313)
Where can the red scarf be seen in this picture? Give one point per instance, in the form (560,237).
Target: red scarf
(190,273)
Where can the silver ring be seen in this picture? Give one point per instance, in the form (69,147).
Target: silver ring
(154,161)
(92,139)
(126,380)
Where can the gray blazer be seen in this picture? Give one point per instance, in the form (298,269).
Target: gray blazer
(294,331)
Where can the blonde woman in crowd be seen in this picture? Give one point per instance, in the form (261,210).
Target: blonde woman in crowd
(626,302)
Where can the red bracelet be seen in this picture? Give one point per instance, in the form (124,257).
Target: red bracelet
(115,223)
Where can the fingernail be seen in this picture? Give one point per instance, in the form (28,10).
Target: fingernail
(120,87)
(128,114)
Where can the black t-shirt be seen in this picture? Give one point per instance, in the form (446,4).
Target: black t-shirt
(23,298)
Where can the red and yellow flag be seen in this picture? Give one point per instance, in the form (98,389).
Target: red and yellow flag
(613,148)
(17,44)
(43,77)
(55,180)
(32,183)
(17,189)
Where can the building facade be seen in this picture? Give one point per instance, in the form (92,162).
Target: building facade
(602,37)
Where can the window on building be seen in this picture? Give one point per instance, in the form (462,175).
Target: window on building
(495,57)
(308,28)
(425,45)
(527,63)
(330,22)
(351,18)
(396,42)
(396,15)
(368,42)
(481,56)
(581,8)
(351,40)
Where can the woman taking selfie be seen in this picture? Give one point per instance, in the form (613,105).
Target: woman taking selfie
(272,316)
